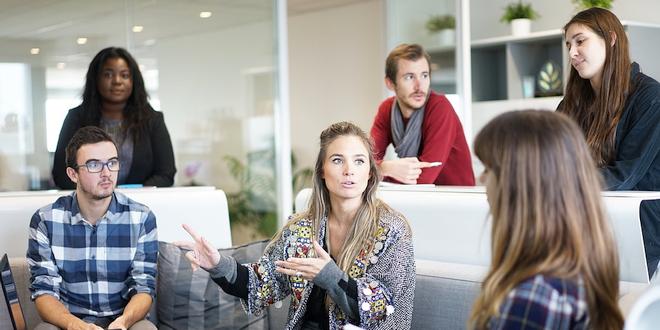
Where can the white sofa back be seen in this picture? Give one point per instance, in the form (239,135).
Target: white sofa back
(451,224)
(204,208)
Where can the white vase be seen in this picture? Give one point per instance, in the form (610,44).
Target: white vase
(446,37)
(521,26)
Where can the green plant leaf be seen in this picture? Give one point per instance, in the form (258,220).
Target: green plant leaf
(549,79)
(518,10)
(437,23)
(544,76)
(556,84)
(255,202)
(586,4)
(554,75)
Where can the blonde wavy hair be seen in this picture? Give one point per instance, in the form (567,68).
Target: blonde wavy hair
(547,214)
(366,218)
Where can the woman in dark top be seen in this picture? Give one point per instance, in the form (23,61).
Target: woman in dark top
(618,109)
(367,275)
(115,99)
(554,261)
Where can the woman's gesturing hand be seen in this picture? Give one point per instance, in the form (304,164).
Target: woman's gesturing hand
(201,253)
(306,268)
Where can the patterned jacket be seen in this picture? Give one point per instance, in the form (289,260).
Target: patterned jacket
(384,272)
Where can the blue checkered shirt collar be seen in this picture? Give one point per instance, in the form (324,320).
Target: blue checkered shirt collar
(112,213)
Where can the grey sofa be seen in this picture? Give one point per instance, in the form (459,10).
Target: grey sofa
(444,294)
(442,298)
(185,299)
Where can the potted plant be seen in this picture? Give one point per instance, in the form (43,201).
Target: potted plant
(444,27)
(585,4)
(520,16)
(253,208)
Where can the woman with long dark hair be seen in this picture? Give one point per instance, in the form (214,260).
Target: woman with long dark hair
(618,109)
(348,258)
(115,99)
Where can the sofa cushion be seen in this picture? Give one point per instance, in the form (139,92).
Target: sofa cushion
(191,300)
(444,294)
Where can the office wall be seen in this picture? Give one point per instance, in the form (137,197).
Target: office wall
(485,14)
(336,68)
(406,20)
(208,84)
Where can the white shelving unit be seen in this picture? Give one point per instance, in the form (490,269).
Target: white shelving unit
(488,74)
(443,66)
(499,65)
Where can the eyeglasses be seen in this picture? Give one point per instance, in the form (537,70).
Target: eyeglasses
(95,166)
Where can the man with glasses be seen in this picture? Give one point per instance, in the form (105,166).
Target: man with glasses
(92,254)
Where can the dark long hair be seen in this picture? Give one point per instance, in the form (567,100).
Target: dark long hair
(598,115)
(137,110)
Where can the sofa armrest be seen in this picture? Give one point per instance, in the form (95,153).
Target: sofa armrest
(21,273)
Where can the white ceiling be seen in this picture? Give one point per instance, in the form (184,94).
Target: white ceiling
(55,25)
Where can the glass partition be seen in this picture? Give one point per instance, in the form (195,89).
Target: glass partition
(210,67)
(434,24)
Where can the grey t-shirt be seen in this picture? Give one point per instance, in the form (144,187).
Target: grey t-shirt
(124,141)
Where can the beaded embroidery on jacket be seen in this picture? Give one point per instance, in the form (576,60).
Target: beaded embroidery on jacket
(384,271)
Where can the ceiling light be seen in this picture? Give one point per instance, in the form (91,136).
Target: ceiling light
(138,28)
(35,51)
(150,42)
(142,67)
(61,65)
(81,41)
(205,14)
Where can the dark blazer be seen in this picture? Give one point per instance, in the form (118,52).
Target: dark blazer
(636,165)
(153,157)
(637,157)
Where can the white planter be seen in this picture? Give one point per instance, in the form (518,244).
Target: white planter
(446,37)
(521,26)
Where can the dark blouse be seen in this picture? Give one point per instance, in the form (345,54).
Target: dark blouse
(637,156)
(637,162)
(153,156)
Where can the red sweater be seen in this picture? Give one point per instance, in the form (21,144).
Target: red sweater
(442,141)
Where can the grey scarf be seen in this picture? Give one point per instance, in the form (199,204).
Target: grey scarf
(406,138)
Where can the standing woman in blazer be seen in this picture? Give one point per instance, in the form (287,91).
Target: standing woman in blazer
(554,263)
(618,109)
(115,99)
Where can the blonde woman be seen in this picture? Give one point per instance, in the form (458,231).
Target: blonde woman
(347,259)
(553,260)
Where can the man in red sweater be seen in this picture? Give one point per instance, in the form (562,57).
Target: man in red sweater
(421,124)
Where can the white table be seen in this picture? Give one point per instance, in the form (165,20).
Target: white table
(451,224)
(204,208)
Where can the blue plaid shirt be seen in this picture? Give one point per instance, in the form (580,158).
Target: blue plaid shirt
(93,270)
(544,302)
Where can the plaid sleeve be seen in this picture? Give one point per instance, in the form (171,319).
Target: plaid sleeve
(142,277)
(535,304)
(44,275)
